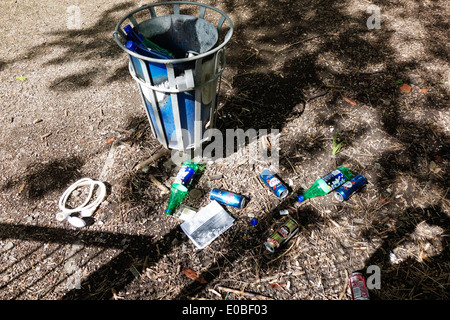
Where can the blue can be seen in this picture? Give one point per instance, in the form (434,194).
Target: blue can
(227,198)
(347,189)
(185,175)
(274,184)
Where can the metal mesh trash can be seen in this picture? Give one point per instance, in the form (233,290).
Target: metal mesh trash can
(178,75)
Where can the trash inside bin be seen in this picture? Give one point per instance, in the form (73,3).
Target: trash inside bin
(180,33)
(176,60)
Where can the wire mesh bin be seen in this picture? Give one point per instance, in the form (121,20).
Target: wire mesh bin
(177,56)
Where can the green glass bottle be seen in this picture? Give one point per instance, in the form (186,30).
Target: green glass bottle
(327,183)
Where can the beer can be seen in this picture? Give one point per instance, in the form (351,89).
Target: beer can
(275,185)
(185,175)
(348,188)
(283,234)
(227,198)
(358,286)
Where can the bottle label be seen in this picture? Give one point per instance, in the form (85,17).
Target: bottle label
(334,179)
(185,176)
(273,182)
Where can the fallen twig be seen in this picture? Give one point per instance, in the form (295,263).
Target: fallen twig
(244,293)
(284,253)
(345,286)
(162,187)
(161,153)
(298,42)
(46,135)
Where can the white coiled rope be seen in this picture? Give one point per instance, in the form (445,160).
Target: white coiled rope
(85,209)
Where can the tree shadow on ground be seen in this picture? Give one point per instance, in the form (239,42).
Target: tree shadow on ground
(114,274)
(87,44)
(422,275)
(262,98)
(42,178)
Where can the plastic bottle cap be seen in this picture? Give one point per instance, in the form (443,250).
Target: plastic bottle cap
(131,45)
(76,221)
(254,222)
(300,199)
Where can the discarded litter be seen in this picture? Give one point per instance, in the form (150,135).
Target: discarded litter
(393,257)
(345,191)
(282,235)
(87,208)
(358,286)
(327,183)
(179,189)
(143,46)
(177,194)
(195,194)
(185,212)
(254,222)
(274,183)
(187,172)
(227,198)
(207,224)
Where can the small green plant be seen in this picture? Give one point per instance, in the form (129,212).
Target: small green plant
(336,147)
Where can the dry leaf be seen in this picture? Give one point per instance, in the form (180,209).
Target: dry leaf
(405,88)
(194,276)
(275,285)
(22,186)
(433,167)
(425,257)
(115,295)
(352,102)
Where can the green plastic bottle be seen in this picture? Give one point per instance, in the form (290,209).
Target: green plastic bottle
(154,46)
(177,194)
(179,189)
(327,183)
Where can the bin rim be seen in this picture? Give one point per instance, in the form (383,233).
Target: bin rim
(228,35)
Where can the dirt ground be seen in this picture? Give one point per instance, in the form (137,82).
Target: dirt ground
(311,69)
